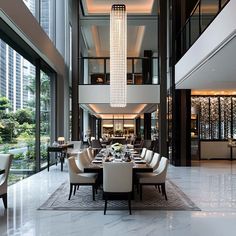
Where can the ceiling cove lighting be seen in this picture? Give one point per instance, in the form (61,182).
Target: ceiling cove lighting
(118,56)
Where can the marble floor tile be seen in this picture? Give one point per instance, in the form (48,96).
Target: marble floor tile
(210,184)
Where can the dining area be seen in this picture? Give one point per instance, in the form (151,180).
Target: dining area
(118,172)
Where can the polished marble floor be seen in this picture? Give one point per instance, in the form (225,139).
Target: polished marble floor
(210,184)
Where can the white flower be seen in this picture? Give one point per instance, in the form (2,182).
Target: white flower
(117,147)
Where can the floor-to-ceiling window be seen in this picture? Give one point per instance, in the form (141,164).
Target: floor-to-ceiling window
(47,17)
(17,111)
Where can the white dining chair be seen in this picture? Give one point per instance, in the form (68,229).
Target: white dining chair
(78,178)
(5,163)
(117,181)
(143,153)
(155,161)
(148,156)
(83,160)
(90,153)
(157,178)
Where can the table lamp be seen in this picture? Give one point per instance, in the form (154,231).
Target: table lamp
(61,140)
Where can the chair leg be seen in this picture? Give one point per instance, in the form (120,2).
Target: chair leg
(129,203)
(4,199)
(74,189)
(105,207)
(71,187)
(141,191)
(93,187)
(163,189)
(159,188)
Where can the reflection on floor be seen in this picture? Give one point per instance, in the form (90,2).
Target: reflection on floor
(210,184)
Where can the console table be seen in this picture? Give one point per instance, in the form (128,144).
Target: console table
(61,150)
(231,146)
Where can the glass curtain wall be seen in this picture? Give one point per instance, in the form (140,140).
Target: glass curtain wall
(17,111)
(44,12)
(31,4)
(47,17)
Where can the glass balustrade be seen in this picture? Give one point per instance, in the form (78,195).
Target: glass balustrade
(202,15)
(96,70)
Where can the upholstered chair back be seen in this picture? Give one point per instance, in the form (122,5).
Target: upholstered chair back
(83,160)
(96,143)
(155,161)
(143,152)
(162,170)
(90,153)
(117,177)
(148,156)
(73,170)
(5,163)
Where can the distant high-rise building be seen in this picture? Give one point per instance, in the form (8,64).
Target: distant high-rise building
(14,78)
(31,5)
(16,73)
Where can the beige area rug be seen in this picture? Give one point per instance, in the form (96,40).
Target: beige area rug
(152,200)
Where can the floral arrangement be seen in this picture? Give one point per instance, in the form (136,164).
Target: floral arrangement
(117,147)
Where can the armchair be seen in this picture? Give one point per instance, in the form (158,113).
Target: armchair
(5,163)
(157,178)
(78,178)
(117,181)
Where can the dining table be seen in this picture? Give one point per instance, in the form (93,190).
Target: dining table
(96,166)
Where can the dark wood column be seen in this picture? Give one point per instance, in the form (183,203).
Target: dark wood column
(137,126)
(75,70)
(182,128)
(147,67)
(162,36)
(81,123)
(92,125)
(147,126)
(99,128)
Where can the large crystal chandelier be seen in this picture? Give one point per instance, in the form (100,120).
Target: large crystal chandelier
(118,55)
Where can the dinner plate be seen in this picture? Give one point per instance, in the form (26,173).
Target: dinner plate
(97,162)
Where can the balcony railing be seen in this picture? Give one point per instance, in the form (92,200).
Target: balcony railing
(140,70)
(202,15)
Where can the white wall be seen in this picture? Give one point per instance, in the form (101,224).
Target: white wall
(213,38)
(135,94)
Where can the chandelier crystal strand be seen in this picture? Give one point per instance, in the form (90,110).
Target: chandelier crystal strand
(118,56)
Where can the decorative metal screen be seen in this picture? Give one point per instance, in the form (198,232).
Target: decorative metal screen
(217,116)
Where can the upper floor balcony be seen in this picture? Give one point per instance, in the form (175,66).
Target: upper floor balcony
(209,62)
(140,70)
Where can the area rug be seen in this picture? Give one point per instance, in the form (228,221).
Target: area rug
(152,200)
